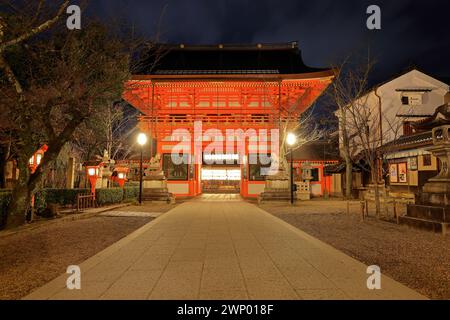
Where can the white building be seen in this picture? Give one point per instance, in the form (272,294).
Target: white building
(385,113)
(389,107)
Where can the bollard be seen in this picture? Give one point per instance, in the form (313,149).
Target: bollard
(363,209)
(395,212)
(367,208)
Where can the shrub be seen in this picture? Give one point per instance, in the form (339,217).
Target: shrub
(68,197)
(109,196)
(130,193)
(5,199)
(63,197)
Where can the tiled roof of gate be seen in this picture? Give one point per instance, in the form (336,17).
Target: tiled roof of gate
(225,59)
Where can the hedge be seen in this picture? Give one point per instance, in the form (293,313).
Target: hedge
(109,196)
(68,197)
(63,197)
(5,199)
(130,193)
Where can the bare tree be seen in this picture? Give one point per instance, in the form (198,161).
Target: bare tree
(358,123)
(110,129)
(19,23)
(52,86)
(362,123)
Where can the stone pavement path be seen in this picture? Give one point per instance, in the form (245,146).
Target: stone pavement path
(218,247)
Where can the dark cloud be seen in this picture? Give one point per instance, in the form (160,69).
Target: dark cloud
(413,32)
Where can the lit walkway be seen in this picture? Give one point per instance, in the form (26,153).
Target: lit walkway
(226,249)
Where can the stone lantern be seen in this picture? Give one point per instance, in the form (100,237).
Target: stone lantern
(304,187)
(433,210)
(437,190)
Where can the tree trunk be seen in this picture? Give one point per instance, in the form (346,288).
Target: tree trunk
(346,155)
(348,177)
(19,206)
(21,198)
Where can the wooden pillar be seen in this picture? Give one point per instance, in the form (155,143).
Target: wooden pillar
(70,181)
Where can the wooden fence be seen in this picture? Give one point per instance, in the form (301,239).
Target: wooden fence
(85,201)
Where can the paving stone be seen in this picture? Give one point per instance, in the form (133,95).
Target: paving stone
(151,262)
(222,249)
(224,295)
(260,289)
(88,291)
(328,294)
(131,285)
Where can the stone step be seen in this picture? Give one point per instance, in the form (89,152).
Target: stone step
(275,196)
(155,190)
(156,193)
(159,199)
(435,226)
(440,214)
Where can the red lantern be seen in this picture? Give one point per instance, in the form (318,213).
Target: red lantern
(36,159)
(93,172)
(120,175)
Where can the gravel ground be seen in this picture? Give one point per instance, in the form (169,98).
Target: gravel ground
(31,258)
(418,259)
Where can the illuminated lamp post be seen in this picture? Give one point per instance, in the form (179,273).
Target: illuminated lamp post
(141,140)
(291,141)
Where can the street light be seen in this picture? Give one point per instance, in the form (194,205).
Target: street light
(141,140)
(291,141)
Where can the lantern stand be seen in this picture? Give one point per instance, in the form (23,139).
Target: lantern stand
(291,141)
(141,140)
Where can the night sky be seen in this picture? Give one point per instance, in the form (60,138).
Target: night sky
(414,33)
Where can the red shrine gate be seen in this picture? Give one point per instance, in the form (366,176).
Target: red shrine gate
(207,91)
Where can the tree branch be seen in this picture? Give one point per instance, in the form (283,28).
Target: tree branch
(42,27)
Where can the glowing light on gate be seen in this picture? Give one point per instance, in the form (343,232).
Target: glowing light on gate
(142,139)
(221,174)
(291,139)
(221,157)
(121,176)
(92,172)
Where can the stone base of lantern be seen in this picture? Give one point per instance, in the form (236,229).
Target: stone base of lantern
(156,190)
(433,209)
(277,189)
(303,191)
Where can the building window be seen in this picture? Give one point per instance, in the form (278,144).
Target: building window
(178,172)
(412,99)
(427,160)
(402,172)
(405,100)
(398,172)
(393,173)
(315,175)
